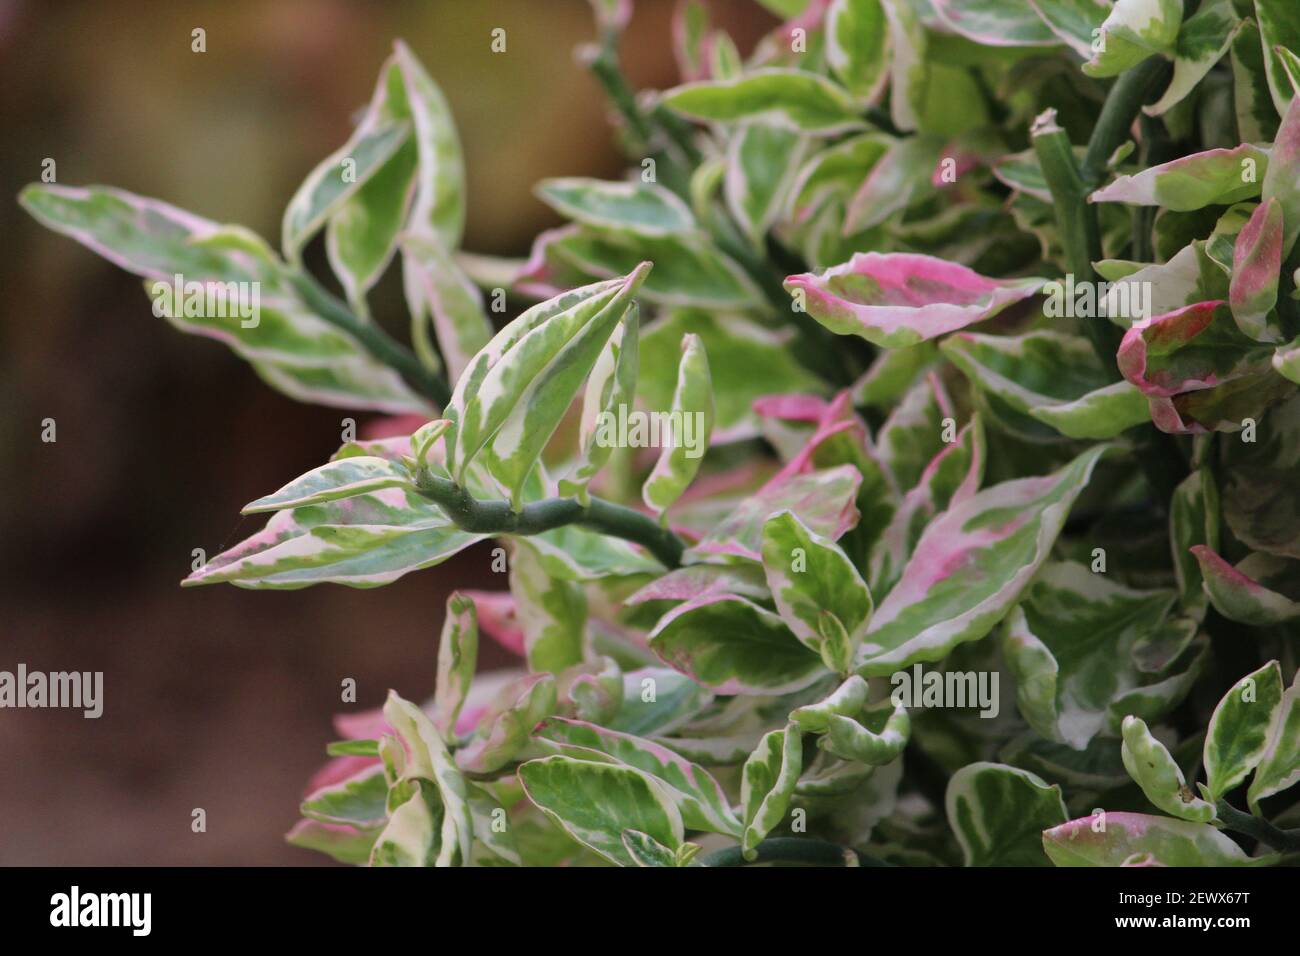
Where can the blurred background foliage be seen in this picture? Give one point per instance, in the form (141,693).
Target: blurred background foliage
(220,698)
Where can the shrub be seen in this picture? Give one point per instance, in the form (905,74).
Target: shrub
(791,648)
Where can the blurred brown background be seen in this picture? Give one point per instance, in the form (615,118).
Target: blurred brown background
(219,698)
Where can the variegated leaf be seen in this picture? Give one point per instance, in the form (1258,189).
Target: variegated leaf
(612,386)
(364,541)
(995,22)
(824,501)
(733,646)
(1240,729)
(1203,39)
(359,800)
(702,802)
(794,99)
(1135,30)
(1243,593)
(1048,377)
(1117,838)
(970,567)
(595,802)
(762,164)
(1071,646)
(847,700)
(1212,177)
(457,659)
(876,736)
(811,578)
(857,46)
(428,759)
(767,783)
(899,299)
(1279,766)
(998,814)
(342,478)
(515,391)
(1152,768)
(691,424)
(440,295)
(292,348)
(506,726)
(643,208)
(551,612)
(1256,268)
(1193,521)
(1279,28)
(1279,181)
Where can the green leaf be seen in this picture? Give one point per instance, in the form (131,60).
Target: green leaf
(1161,779)
(767,783)
(909,73)
(1258,484)
(998,813)
(701,801)
(611,387)
(365,541)
(457,659)
(762,164)
(493,836)
(1071,647)
(1074,22)
(657,700)
(440,295)
(428,759)
(1240,729)
(591,690)
(1048,377)
(1135,30)
(691,425)
(857,46)
(595,802)
(342,478)
(411,836)
(506,726)
(733,646)
(552,612)
(793,99)
(970,567)
(1117,839)
(810,578)
(643,208)
(1279,765)
(913,434)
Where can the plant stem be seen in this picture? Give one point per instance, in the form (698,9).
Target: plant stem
(792,850)
(1126,98)
(376,341)
(496,517)
(1286,841)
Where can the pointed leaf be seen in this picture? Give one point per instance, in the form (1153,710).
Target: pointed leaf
(692,413)
(1240,729)
(767,783)
(457,658)
(793,99)
(998,813)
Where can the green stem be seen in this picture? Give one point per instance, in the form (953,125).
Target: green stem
(1131,91)
(792,850)
(1286,841)
(376,341)
(496,517)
